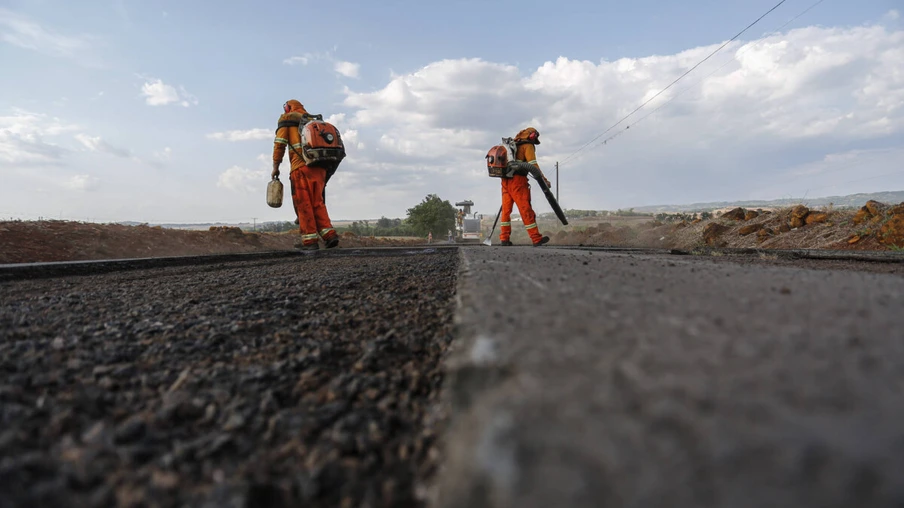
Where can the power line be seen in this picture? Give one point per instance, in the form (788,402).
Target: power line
(616,124)
(777,30)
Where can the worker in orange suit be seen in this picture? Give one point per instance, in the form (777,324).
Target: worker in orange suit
(307,183)
(516,191)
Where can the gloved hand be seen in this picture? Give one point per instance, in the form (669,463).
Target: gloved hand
(275,172)
(547,182)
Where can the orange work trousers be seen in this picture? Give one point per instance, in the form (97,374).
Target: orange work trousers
(516,191)
(307,196)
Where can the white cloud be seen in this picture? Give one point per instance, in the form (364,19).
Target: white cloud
(21,31)
(308,58)
(794,96)
(83,183)
(299,60)
(238,135)
(337,119)
(244,180)
(158,93)
(893,15)
(350,138)
(347,69)
(187,98)
(164,154)
(25,139)
(96,144)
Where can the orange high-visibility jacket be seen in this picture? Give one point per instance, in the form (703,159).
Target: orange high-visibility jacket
(526,151)
(288,136)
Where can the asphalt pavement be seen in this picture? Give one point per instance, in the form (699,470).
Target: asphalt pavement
(299,379)
(575,378)
(585,378)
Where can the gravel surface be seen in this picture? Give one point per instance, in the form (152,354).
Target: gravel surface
(300,382)
(587,379)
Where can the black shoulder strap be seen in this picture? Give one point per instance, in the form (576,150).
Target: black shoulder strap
(287,123)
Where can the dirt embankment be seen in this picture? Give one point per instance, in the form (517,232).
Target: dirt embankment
(876,226)
(44,241)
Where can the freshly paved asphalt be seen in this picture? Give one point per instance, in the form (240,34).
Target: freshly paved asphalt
(586,379)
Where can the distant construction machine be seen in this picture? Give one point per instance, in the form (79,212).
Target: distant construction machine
(468,224)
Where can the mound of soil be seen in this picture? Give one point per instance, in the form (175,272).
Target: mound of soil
(45,241)
(876,226)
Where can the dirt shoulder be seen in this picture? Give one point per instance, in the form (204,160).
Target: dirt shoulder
(877,226)
(47,241)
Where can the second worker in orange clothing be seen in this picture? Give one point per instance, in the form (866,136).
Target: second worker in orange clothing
(516,191)
(307,183)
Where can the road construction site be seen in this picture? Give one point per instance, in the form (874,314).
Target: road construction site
(455,377)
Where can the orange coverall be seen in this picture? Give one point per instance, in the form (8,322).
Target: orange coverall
(307,183)
(516,191)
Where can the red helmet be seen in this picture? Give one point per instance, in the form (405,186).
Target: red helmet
(534,137)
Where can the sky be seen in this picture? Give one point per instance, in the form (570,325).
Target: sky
(164,111)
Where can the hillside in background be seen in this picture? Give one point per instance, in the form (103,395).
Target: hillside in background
(849,201)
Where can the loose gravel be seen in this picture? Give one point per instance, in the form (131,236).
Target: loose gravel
(299,382)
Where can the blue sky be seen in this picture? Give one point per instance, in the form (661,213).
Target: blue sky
(163,111)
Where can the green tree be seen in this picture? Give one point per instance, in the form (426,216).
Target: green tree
(276,227)
(432,215)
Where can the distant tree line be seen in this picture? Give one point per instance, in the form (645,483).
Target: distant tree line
(432,215)
(383,227)
(681,216)
(276,227)
(583,214)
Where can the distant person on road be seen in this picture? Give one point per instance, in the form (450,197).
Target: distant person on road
(307,183)
(516,191)
(430,237)
(450,236)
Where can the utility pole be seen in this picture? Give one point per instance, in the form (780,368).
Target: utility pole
(557,182)
(254,227)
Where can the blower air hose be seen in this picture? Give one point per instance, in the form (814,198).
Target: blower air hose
(538,176)
(534,171)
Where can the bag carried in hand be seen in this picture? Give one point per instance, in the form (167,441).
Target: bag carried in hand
(274,193)
(499,157)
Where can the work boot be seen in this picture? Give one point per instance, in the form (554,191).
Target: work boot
(506,243)
(332,242)
(301,246)
(543,241)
